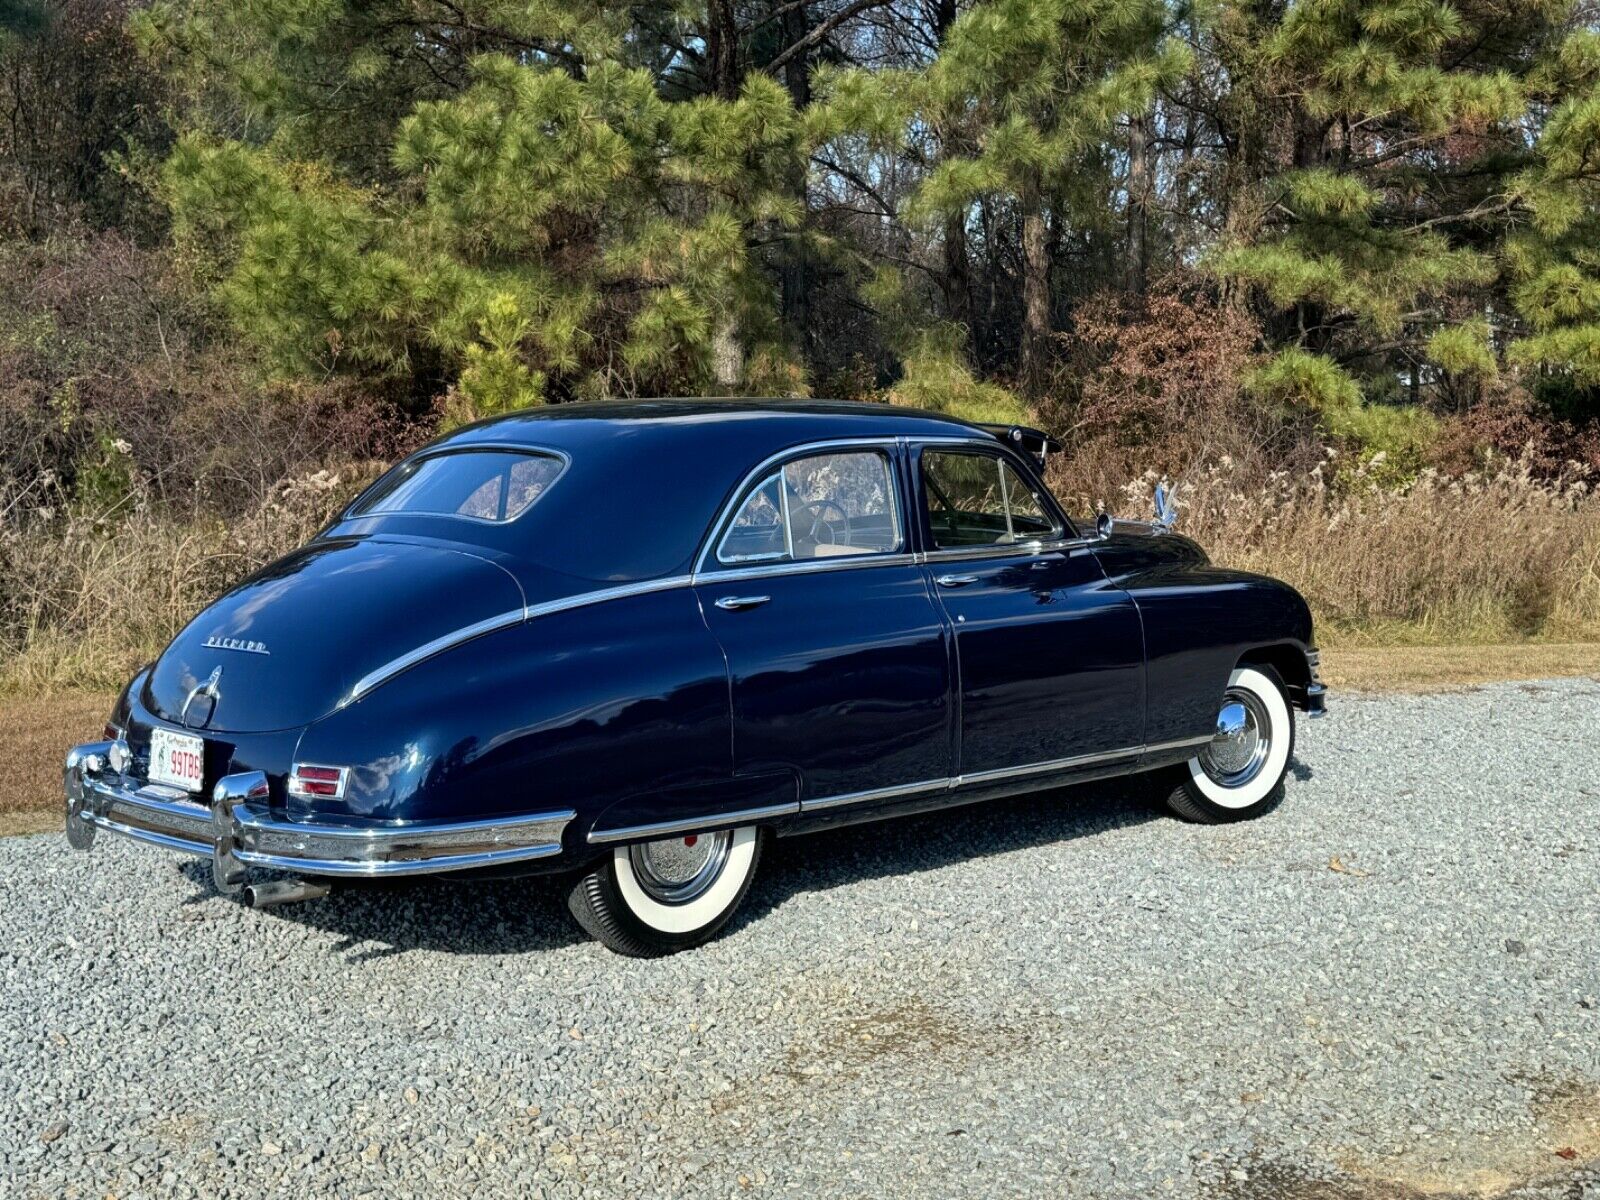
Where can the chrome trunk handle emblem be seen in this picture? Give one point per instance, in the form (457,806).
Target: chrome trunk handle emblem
(208,688)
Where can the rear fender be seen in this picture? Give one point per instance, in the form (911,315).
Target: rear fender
(576,709)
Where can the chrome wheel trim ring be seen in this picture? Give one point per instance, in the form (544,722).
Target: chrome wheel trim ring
(681,869)
(1236,755)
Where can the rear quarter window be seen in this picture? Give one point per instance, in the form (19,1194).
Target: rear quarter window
(495,486)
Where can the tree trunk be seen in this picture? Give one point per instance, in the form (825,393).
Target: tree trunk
(955,281)
(795,276)
(1036,264)
(722,48)
(727,357)
(1138,203)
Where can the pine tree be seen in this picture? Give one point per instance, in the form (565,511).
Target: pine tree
(553,228)
(1363,193)
(1553,260)
(1034,87)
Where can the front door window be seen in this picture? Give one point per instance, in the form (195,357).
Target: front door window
(977,499)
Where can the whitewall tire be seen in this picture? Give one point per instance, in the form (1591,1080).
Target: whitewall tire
(666,895)
(1240,773)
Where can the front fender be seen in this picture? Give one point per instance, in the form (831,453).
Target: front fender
(577,709)
(1199,622)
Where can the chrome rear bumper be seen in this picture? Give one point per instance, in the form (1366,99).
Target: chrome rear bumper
(238,832)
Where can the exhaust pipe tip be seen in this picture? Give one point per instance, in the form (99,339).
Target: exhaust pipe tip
(283,891)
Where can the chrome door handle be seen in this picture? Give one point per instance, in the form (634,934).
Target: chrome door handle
(734,603)
(955,580)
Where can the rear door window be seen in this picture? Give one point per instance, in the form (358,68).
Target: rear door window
(836,505)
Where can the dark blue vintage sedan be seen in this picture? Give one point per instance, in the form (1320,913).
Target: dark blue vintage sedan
(629,642)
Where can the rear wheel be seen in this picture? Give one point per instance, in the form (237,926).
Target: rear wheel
(1239,774)
(660,897)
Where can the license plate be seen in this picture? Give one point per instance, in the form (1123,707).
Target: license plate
(178,759)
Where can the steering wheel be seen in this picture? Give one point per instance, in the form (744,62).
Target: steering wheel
(820,524)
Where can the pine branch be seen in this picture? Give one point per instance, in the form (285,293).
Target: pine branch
(821,30)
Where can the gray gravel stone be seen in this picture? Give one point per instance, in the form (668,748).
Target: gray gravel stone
(1067,994)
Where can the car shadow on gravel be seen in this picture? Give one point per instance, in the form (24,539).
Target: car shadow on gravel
(519,916)
(928,841)
(379,919)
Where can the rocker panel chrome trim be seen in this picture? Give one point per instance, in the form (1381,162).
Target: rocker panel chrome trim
(660,829)
(872,794)
(1179,744)
(1048,766)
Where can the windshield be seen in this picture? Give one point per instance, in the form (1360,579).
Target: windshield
(482,485)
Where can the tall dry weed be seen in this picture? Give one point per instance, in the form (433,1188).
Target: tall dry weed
(1488,555)
(85,599)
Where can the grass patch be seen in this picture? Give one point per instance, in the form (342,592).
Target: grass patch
(38,735)
(1441,668)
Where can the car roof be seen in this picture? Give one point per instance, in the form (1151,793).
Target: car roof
(775,422)
(644,478)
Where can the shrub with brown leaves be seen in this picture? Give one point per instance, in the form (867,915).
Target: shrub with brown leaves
(1154,382)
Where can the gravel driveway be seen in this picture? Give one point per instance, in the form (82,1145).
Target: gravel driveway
(1388,988)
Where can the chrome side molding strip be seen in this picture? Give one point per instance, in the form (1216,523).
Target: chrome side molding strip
(872,794)
(504,621)
(1044,768)
(428,649)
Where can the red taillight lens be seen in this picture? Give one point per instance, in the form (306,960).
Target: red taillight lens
(325,782)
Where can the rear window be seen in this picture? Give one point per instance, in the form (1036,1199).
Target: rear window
(482,485)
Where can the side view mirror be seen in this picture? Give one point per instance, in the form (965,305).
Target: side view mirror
(1102,525)
(1166,507)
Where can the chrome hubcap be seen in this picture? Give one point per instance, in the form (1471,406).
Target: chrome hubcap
(677,870)
(1239,750)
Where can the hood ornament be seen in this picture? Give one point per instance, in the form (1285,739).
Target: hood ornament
(1166,506)
(231,643)
(208,688)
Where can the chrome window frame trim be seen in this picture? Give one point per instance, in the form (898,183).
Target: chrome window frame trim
(1000,451)
(809,566)
(771,556)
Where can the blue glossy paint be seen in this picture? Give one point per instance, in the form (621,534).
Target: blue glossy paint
(659,706)
(1199,622)
(841,678)
(326,615)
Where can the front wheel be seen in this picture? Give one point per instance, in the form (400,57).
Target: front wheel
(1239,773)
(660,897)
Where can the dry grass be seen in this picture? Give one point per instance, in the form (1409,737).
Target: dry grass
(1481,558)
(1441,668)
(38,734)
(85,600)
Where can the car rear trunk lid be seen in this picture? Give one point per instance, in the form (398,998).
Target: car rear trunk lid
(289,644)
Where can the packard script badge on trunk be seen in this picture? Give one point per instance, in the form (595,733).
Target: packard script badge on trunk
(227,643)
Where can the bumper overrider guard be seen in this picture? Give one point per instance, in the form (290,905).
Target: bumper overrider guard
(238,832)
